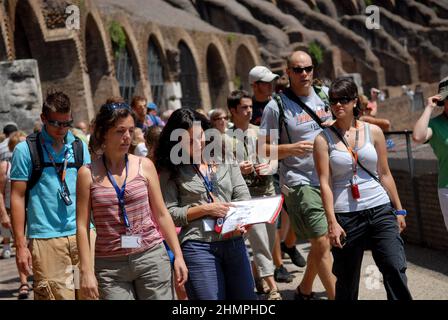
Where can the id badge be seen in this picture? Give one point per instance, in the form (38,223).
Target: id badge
(131,242)
(209,224)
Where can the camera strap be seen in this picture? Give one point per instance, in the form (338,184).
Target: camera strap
(60,171)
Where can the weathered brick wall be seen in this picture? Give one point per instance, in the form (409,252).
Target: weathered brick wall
(434,233)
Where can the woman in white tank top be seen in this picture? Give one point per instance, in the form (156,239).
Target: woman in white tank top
(360,197)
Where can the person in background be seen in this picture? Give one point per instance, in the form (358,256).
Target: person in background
(5,154)
(360,197)
(81,125)
(122,194)
(257,172)
(261,80)
(152,118)
(435,131)
(152,137)
(372,105)
(219,119)
(138,145)
(5,210)
(138,105)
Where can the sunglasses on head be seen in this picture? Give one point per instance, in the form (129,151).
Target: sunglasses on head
(299,70)
(341,100)
(60,124)
(116,106)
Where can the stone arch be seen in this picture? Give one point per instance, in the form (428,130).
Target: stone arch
(128,69)
(218,79)
(157,71)
(244,61)
(57,58)
(97,63)
(188,77)
(3,54)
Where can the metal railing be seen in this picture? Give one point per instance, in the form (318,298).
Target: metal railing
(414,182)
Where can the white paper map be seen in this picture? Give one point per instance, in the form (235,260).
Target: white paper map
(257,210)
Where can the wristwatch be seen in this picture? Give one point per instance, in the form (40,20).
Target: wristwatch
(402,212)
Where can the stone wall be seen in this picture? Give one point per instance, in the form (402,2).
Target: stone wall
(428,230)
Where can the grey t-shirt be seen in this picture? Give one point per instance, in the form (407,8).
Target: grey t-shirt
(301,127)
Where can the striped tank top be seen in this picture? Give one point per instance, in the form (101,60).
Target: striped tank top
(108,219)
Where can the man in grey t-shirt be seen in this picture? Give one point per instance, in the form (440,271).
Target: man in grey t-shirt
(298,178)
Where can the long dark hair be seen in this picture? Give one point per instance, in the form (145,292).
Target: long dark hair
(179,119)
(346,87)
(107,118)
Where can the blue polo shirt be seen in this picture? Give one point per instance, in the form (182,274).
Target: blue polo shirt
(47,215)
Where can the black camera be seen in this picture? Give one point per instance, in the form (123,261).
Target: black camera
(65,197)
(441,103)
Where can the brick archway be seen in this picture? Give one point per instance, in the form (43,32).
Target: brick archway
(218,79)
(97,64)
(243,63)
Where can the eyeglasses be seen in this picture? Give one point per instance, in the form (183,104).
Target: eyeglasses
(221,118)
(299,70)
(60,124)
(115,106)
(341,100)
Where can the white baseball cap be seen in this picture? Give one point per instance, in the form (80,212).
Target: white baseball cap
(261,73)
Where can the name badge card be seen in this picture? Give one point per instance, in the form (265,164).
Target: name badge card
(131,242)
(209,224)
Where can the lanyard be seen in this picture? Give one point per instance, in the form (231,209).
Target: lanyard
(61,173)
(353,152)
(206,181)
(120,192)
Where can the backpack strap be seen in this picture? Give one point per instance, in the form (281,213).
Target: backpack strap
(78,153)
(281,118)
(323,96)
(37,157)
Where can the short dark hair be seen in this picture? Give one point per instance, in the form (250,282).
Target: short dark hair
(345,87)
(9,129)
(56,101)
(234,99)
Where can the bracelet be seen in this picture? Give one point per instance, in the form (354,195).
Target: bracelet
(402,212)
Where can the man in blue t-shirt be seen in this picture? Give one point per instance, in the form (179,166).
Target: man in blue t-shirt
(50,211)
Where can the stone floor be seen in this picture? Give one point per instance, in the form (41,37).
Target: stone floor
(427,276)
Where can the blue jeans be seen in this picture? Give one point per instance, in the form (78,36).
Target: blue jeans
(218,270)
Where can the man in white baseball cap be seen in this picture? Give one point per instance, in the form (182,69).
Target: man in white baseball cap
(261,79)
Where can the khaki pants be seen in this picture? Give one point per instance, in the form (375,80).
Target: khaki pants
(55,264)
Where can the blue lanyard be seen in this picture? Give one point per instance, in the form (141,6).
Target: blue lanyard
(120,192)
(206,181)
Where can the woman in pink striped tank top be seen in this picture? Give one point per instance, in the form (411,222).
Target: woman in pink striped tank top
(123,194)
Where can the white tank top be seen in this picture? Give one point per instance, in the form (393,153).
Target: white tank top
(372,194)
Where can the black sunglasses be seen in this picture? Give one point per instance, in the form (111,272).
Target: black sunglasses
(299,70)
(341,100)
(115,106)
(60,124)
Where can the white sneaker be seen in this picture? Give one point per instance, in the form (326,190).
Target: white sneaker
(6,254)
